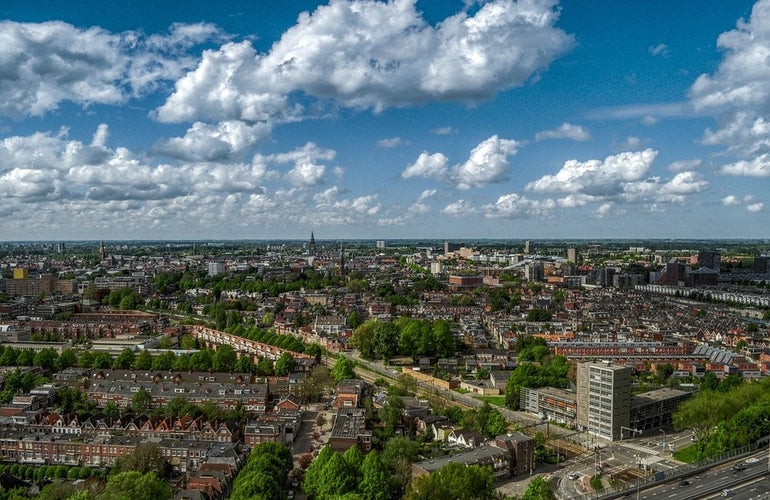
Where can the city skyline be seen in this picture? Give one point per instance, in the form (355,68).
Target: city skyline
(534,119)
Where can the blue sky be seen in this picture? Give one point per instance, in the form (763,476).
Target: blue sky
(401,119)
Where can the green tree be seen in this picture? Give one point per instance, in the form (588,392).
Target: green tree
(538,489)
(364,339)
(387,337)
(124,360)
(399,454)
(376,480)
(224,359)
(143,361)
(343,369)
(454,481)
(392,414)
(133,485)
(146,457)
(141,401)
(66,359)
(164,361)
(46,359)
(336,478)
(285,364)
(312,483)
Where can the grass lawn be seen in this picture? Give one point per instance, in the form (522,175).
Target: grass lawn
(494,400)
(687,455)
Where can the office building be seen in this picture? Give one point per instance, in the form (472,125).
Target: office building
(603,399)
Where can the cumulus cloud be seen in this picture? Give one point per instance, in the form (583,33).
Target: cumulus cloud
(443,131)
(755,207)
(205,142)
(487,164)
(459,208)
(756,167)
(44,64)
(429,166)
(621,178)
(730,200)
(738,92)
(514,205)
(597,177)
(306,172)
(366,54)
(565,131)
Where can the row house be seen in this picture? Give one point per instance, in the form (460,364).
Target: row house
(242,346)
(185,456)
(35,448)
(252,397)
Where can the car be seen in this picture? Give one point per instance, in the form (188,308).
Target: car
(684,483)
(739,466)
(574,476)
(727,492)
(752,460)
(290,494)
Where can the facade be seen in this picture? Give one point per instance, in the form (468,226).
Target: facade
(550,403)
(656,408)
(603,399)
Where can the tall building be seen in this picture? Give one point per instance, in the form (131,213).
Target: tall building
(216,268)
(603,399)
(311,246)
(709,259)
(528,247)
(572,255)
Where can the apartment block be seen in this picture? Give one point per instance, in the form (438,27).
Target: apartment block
(603,399)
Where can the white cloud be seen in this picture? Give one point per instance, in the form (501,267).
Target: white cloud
(683,165)
(755,207)
(443,131)
(459,208)
(513,205)
(660,49)
(596,177)
(730,200)
(391,142)
(565,131)
(306,172)
(756,167)
(428,193)
(738,92)
(223,141)
(487,164)
(429,166)
(44,64)
(602,210)
(366,54)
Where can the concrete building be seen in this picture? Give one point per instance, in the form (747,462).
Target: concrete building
(603,399)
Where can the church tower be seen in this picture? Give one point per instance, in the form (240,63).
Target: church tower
(342,261)
(102,253)
(311,245)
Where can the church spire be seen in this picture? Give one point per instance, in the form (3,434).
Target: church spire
(311,245)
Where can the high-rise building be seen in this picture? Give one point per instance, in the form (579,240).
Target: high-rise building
(572,255)
(603,399)
(709,259)
(311,249)
(216,268)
